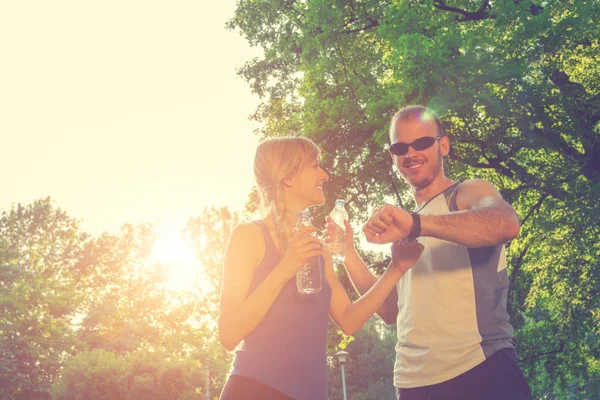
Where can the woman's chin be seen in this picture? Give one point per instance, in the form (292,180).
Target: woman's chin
(317,202)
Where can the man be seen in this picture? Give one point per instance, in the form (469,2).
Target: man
(454,334)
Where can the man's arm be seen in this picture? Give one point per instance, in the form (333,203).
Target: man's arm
(485,218)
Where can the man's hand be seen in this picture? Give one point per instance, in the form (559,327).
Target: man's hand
(405,254)
(388,224)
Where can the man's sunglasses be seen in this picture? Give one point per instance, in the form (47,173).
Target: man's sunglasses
(400,149)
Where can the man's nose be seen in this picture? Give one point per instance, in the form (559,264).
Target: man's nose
(411,152)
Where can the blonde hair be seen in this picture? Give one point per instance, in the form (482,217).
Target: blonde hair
(275,160)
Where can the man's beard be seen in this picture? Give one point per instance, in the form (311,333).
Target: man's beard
(433,170)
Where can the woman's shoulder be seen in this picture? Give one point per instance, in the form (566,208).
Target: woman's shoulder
(247,232)
(249,237)
(247,228)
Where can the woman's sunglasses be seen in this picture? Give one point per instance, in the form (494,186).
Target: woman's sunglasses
(400,149)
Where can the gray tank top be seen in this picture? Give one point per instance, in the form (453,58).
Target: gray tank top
(288,349)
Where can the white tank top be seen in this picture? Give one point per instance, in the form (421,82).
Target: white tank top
(451,307)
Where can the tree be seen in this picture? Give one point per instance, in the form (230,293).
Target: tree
(370,364)
(41,245)
(157,343)
(71,302)
(128,306)
(209,233)
(102,375)
(517,85)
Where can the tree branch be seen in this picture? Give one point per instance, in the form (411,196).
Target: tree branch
(396,192)
(535,207)
(495,164)
(348,82)
(374,23)
(518,263)
(480,14)
(556,351)
(298,12)
(513,277)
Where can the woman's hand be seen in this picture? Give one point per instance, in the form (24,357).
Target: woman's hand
(405,254)
(301,247)
(330,229)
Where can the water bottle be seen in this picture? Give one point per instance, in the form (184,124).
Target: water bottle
(308,278)
(338,238)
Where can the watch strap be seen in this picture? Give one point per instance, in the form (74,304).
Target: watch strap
(415,231)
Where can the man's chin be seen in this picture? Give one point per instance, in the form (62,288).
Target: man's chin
(416,184)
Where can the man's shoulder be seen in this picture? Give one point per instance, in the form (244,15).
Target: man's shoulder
(475,183)
(476,187)
(472,192)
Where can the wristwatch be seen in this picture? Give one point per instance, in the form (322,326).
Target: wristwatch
(415,231)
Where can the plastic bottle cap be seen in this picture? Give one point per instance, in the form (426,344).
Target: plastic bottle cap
(340,202)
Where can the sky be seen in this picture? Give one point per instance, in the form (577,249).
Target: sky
(124,111)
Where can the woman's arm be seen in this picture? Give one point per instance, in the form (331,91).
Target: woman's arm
(363,279)
(240,314)
(352,316)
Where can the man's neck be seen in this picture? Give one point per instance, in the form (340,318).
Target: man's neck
(423,195)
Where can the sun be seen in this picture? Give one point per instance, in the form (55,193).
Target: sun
(183,270)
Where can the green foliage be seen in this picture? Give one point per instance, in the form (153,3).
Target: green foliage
(369,368)
(40,246)
(91,317)
(102,375)
(209,233)
(517,85)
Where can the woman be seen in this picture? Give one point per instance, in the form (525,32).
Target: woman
(284,334)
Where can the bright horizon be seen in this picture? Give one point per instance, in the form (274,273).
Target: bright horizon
(125,111)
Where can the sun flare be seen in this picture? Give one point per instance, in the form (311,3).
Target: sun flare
(182,269)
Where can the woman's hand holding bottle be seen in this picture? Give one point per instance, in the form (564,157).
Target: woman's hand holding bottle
(300,248)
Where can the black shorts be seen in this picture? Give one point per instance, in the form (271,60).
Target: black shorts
(497,378)
(241,388)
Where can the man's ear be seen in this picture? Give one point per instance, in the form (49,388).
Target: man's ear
(445,145)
